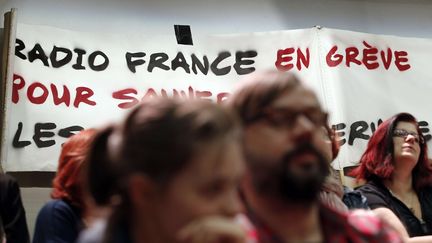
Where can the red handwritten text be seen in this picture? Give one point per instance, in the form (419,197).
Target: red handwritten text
(370,57)
(285,58)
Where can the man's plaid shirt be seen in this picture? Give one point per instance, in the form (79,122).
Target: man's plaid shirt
(358,226)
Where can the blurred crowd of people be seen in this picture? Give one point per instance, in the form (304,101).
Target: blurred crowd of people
(255,169)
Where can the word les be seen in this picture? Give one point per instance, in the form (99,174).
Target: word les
(42,134)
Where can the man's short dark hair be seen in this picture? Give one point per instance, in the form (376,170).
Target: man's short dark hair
(259,91)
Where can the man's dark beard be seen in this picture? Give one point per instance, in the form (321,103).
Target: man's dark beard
(282,182)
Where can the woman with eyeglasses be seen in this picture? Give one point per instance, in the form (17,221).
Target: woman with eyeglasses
(397,173)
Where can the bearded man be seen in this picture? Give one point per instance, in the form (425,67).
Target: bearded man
(284,149)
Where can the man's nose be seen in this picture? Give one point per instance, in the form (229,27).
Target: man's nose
(303,129)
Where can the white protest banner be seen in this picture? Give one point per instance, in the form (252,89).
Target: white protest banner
(66,80)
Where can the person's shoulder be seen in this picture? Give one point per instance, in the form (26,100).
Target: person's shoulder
(375,193)
(354,199)
(6,177)
(56,204)
(367,225)
(369,186)
(57,208)
(48,207)
(9,188)
(7,181)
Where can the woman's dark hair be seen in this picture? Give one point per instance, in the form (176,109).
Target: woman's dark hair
(377,162)
(158,138)
(99,171)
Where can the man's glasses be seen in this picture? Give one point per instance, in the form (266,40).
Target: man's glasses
(280,117)
(404,134)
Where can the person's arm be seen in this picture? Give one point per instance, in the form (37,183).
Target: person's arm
(420,239)
(390,218)
(12,211)
(212,229)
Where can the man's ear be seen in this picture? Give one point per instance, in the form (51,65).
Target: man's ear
(142,190)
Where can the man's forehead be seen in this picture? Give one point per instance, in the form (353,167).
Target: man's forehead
(297,99)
